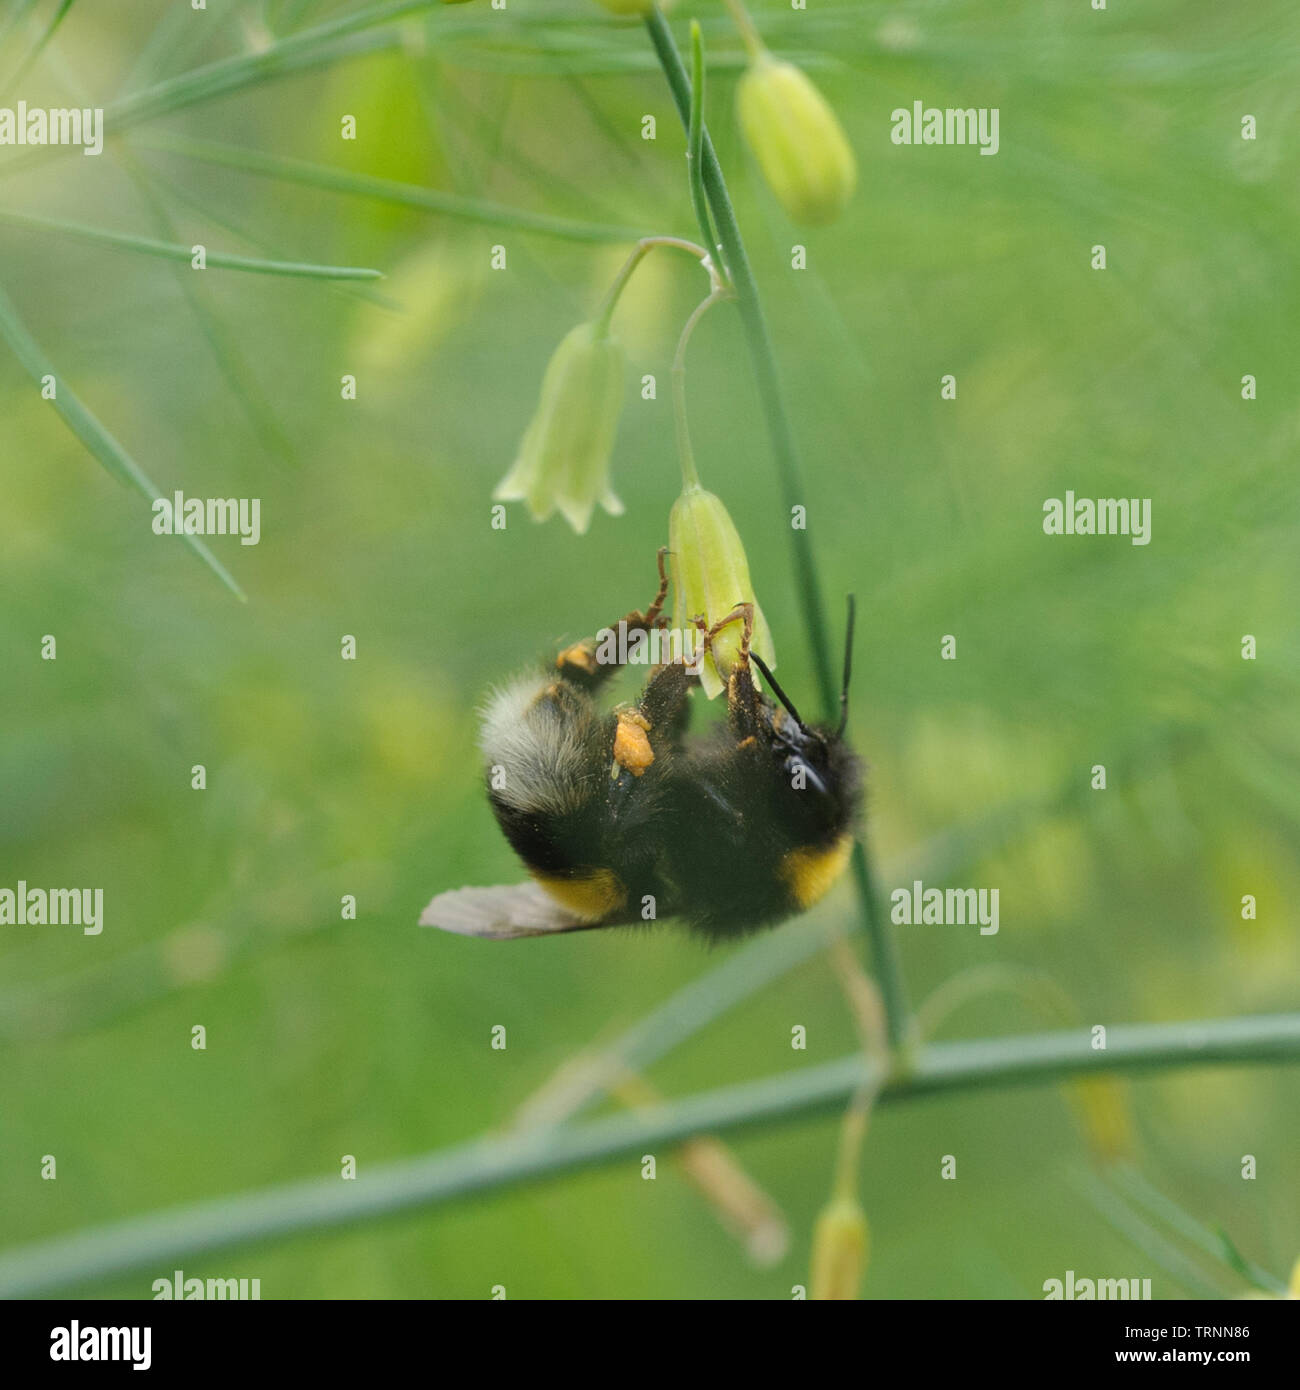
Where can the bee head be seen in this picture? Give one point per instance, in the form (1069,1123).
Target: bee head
(804,753)
(815,763)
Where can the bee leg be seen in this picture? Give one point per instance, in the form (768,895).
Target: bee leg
(665,701)
(657,722)
(744,704)
(581,663)
(651,617)
(742,612)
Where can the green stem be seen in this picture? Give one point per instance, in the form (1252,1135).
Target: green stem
(292,53)
(1121,1218)
(79,419)
(883,950)
(1216,1244)
(749,34)
(214,260)
(347,35)
(245,386)
(1035,987)
(38,48)
(853,1134)
(695,148)
(639,252)
(685,454)
(154,1241)
(407,195)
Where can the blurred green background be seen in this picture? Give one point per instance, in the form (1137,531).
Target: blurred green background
(325,777)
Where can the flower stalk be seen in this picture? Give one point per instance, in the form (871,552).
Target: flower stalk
(748,30)
(685,454)
(639,252)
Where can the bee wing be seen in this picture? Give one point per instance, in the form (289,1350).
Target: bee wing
(502,913)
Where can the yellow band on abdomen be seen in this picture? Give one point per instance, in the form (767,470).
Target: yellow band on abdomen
(810,872)
(592,897)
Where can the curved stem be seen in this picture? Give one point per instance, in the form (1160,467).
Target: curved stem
(639,253)
(869,1017)
(749,34)
(1035,987)
(151,1241)
(685,454)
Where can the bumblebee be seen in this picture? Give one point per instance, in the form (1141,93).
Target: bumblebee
(621,817)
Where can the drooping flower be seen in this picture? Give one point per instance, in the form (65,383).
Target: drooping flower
(710,575)
(797,140)
(563,459)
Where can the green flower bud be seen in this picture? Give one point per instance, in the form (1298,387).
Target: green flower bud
(710,577)
(839,1253)
(563,460)
(797,139)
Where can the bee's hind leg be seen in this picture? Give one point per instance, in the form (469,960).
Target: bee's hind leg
(581,662)
(665,702)
(656,723)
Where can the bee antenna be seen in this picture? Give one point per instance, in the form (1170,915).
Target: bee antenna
(848,668)
(777,691)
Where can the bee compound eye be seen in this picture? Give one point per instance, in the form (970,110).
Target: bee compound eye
(803,776)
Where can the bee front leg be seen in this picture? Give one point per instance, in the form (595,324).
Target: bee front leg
(582,662)
(742,613)
(744,704)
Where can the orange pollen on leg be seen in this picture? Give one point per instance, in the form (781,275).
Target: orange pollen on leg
(580,655)
(632,749)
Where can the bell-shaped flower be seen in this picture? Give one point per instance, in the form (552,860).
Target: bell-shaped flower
(710,575)
(563,460)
